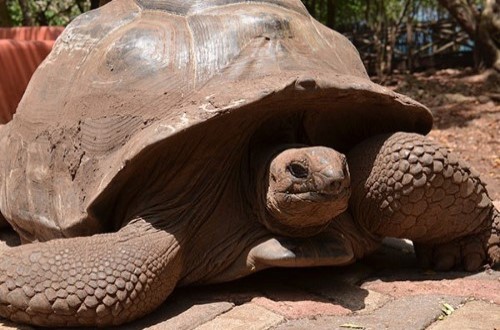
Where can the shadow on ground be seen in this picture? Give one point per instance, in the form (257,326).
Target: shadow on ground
(339,286)
(345,288)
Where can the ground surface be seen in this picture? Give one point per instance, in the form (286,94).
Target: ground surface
(387,290)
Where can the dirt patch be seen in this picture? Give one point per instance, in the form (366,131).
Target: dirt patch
(466,110)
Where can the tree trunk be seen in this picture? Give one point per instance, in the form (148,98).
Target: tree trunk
(4,14)
(103,2)
(409,42)
(463,13)
(488,35)
(26,10)
(483,28)
(392,34)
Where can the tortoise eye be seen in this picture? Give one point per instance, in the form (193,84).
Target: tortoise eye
(298,170)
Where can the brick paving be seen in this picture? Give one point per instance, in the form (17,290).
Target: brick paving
(472,315)
(385,291)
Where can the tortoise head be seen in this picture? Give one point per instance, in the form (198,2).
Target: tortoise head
(306,187)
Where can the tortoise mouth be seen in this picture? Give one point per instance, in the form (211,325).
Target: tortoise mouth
(317,196)
(305,214)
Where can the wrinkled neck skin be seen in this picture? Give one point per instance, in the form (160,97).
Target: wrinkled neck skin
(224,238)
(208,213)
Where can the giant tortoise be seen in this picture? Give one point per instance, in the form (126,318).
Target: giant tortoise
(169,142)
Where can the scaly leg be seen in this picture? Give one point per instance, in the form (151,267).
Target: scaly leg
(103,280)
(407,186)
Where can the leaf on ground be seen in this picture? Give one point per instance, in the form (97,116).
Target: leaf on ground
(352,326)
(447,309)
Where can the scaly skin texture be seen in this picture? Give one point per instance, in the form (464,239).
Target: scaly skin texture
(102,280)
(361,240)
(407,186)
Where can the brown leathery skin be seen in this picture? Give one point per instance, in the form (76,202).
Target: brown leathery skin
(304,189)
(103,280)
(362,241)
(407,186)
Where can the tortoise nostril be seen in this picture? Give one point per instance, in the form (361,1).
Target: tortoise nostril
(298,170)
(335,187)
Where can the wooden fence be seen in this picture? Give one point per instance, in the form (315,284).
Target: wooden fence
(417,47)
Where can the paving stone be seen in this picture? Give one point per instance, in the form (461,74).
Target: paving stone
(349,296)
(414,312)
(181,312)
(245,317)
(418,274)
(294,302)
(475,315)
(352,274)
(301,308)
(373,301)
(355,298)
(469,287)
(237,292)
(297,293)
(194,316)
(487,275)
(7,325)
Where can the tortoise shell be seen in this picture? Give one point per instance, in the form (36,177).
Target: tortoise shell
(140,92)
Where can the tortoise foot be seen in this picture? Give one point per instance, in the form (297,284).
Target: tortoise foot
(468,253)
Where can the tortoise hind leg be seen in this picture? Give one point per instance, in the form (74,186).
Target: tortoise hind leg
(102,280)
(407,186)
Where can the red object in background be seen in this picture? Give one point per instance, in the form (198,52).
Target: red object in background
(21,52)
(31,33)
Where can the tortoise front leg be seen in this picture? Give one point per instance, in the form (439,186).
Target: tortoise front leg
(407,186)
(103,280)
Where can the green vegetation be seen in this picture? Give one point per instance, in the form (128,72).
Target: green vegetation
(377,26)
(33,12)
(390,34)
